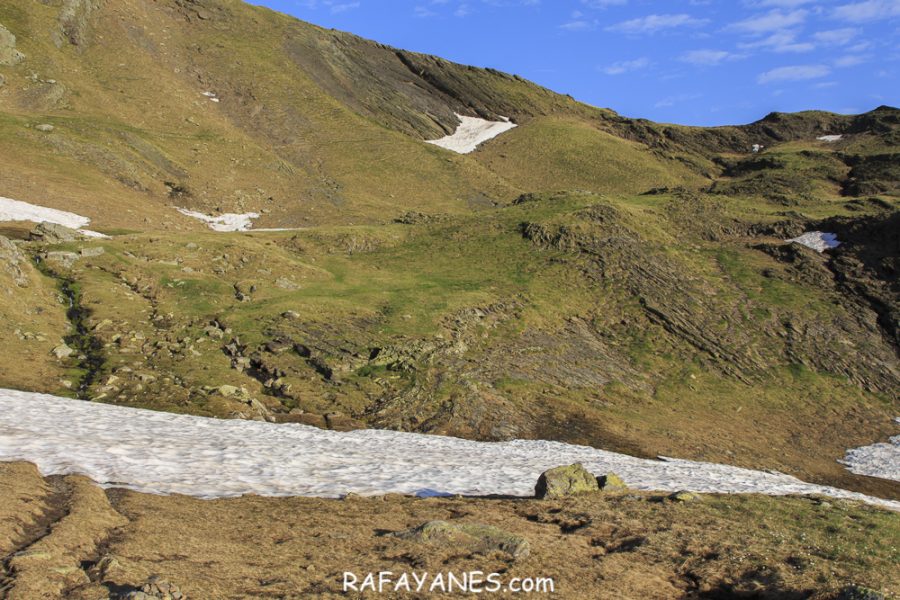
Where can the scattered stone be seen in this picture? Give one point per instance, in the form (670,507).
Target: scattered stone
(856,592)
(279,345)
(474,537)
(65,259)
(214,332)
(611,483)
(290,314)
(565,481)
(286,284)
(63,352)
(52,233)
(93,251)
(230,391)
(156,588)
(684,497)
(44,127)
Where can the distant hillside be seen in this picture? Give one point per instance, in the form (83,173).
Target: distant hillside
(217,105)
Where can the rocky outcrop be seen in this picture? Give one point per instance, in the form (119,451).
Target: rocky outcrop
(74,22)
(9,56)
(14,262)
(53,233)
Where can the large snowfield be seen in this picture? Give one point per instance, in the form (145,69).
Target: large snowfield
(210,458)
(15,210)
(471,133)
(878,460)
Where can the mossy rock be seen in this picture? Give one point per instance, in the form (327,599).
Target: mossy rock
(611,483)
(560,482)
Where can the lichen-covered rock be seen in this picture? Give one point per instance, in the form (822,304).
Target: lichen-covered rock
(472,537)
(611,483)
(9,56)
(684,497)
(53,233)
(565,481)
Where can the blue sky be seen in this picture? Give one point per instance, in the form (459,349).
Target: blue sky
(701,62)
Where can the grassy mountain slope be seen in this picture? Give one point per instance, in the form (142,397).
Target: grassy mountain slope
(311,126)
(583,277)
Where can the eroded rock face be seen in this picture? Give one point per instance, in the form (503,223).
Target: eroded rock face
(74,18)
(560,482)
(13,262)
(9,56)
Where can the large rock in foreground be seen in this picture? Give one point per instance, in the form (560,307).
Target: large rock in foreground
(565,481)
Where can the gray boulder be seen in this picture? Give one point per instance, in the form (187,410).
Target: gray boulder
(565,481)
(53,233)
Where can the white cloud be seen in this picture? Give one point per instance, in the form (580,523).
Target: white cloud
(708,58)
(774,20)
(837,37)
(625,66)
(603,3)
(579,25)
(654,23)
(343,7)
(781,42)
(870,10)
(850,60)
(782,3)
(793,73)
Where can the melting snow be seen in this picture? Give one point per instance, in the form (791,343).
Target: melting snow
(223,222)
(472,132)
(817,240)
(830,138)
(878,460)
(15,210)
(167,453)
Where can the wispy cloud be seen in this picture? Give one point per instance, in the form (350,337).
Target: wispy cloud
(708,58)
(781,42)
(618,68)
(837,37)
(870,10)
(774,20)
(655,23)
(793,73)
(603,3)
(850,60)
(343,7)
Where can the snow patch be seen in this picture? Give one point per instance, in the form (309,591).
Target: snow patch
(817,240)
(166,453)
(15,210)
(223,222)
(471,133)
(830,138)
(878,460)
